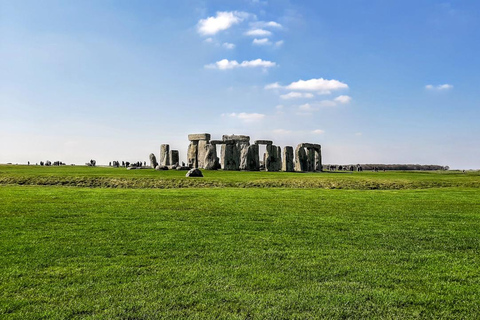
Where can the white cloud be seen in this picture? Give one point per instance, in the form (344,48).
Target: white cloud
(293,95)
(261,42)
(208,40)
(246,117)
(258,33)
(279,107)
(327,103)
(441,87)
(265,24)
(273,86)
(225,64)
(307,107)
(318,131)
(222,21)
(228,45)
(322,86)
(279,43)
(343,99)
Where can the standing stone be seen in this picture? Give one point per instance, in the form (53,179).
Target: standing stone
(192,154)
(273,160)
(318,158)
(287,164)
(164,151)
(311,159)
(153,161)
(174,158)
(228,156)
(253,160)
(201,152)
(301,163)
(210,161)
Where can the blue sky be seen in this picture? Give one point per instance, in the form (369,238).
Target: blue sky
(371,81)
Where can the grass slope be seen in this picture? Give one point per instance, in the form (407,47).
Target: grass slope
(148,178)
(238,253)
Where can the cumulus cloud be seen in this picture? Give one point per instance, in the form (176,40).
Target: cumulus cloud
(246,117)
(440,87)
(228,45)
(222,21)
(343,99)
(279,43)
(265,24)
(226,64)
(318,131)
(275,85)
(293,95)
(306,107)
(322,86)
(261,42)
(258,33)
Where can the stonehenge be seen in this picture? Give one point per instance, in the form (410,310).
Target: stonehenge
(236,153)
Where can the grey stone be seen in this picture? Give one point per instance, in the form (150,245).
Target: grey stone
(318,159)
(236,137)
(307,145)
(201,151)
(301,161)
(160,167)
(287,164)
(267,142)
(253,160)
(194,173)
(273,158)
(192,154)
(242,151)
(311,159)
(228,159)
(217,141)
(153,161)
(164,151)
(173,157)
(210,161)
(199,136)
(182,168)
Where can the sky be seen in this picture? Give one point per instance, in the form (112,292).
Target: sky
(372,81)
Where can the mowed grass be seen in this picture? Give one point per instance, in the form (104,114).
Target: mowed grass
(148,178)
(239,253)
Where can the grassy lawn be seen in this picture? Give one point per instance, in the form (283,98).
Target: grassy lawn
(263,253)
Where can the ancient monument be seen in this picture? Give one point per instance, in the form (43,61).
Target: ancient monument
(236,153)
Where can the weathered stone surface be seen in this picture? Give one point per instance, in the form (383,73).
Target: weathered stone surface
(160,167)
(210,162)
(217,141)
(307,145)
(273,158)
(228,159)
(287,164)
(199,136)
(174,158)
(267,142)
(164,150)
(311,159)
(192,154)
(318,159)
(153,161)
(242,151)
(301,161)
(316,147)
(201,151)
(194,173)
(236,137)
(253,160)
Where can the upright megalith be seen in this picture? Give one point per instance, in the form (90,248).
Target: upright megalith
(273,158)
(197,149)
(301,161)
(228,156)
(318,157)
(153,161)
(173,157)
(236,152)
(253,160)
(287,164)
(210,161)
(164,153)
(310,159)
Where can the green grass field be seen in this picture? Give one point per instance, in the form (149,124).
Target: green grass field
(143,244)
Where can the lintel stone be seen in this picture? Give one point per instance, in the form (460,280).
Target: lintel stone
(267,142)
(236,137)
(199,136)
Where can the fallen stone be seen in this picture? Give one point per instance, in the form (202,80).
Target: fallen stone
(159,167)
(194,173)
(182,168)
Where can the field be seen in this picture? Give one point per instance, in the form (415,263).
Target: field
(79,242)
